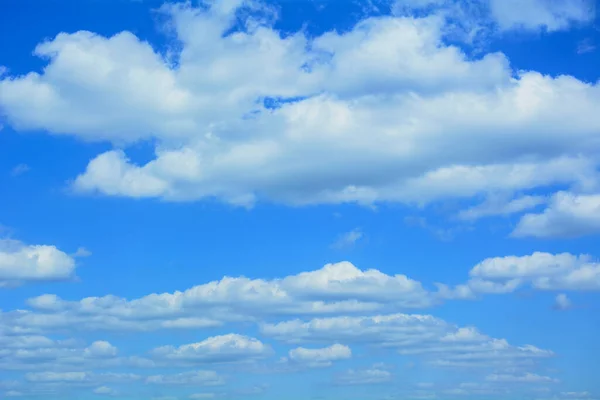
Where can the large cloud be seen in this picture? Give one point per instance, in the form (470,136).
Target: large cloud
(384,112)
(333,289)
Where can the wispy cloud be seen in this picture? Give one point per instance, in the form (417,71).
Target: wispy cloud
(20,169)
(348,239)
(586,46)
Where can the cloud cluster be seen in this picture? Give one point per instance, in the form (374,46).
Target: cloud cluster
(356,116)
(438,342)
(333,289)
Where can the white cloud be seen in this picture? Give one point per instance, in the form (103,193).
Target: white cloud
(441,124)
(20,350)
(552,15)
(82,252)
(586,46)
(499,205)
(348,239)
(562,302)
(100,349)
(333,289)
(438,342)
(364,377)
(104,390)
(57,376)
(567,215)
(195,378)
(322,357)
(542,271)
(21,263)
(526,378)
(226,348)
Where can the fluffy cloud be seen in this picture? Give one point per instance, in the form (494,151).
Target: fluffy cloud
(226,348)
(567,215)
(322,357)
(438,342)
(24,351)
(21,263)
(333,289)
(359,116)
(543,271)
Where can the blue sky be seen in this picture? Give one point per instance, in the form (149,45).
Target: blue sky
(299,199)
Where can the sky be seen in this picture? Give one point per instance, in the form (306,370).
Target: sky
(299,199)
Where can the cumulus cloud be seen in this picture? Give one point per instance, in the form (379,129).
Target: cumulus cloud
(567,215)
(26,351)
(333,289)
(441,124)
(321,357)
(542,271)
(438,342)
(226,348)
(26,263)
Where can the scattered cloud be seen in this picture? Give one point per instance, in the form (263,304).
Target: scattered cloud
(541,271)
(216,349)
(436,341)
(500,206)
(567,215)
(364,377)
(322,357)
(585,46)
(348,239)
(552,15)
(193,378)
(105,391)
(26,263)
(562,302)
(526,378)
(81,252)
(21,168)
